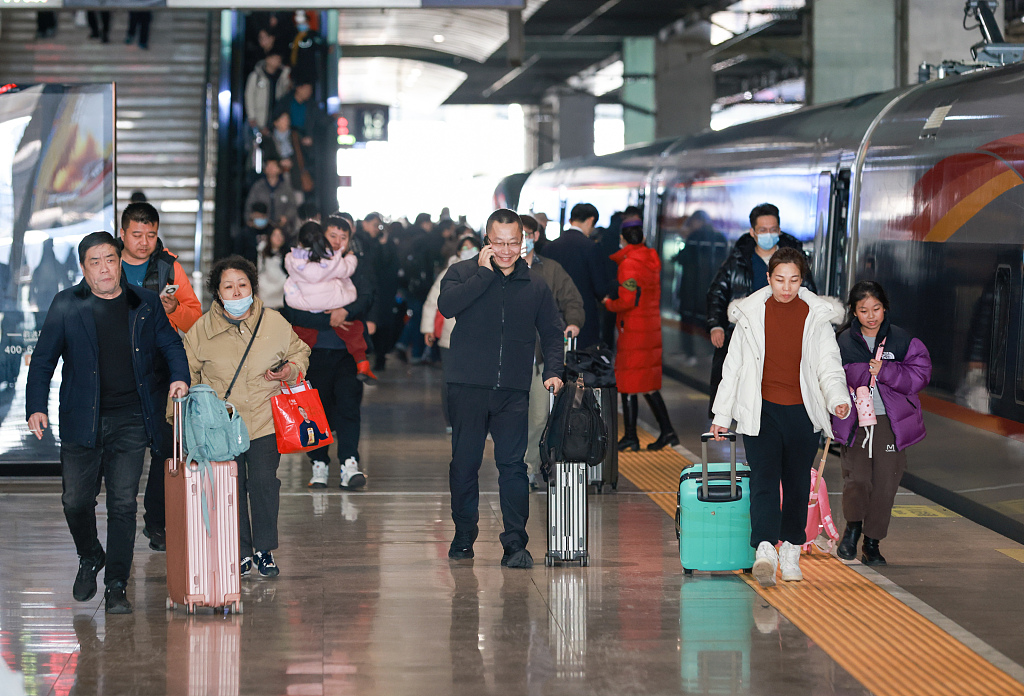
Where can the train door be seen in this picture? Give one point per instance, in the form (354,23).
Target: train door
(831,232)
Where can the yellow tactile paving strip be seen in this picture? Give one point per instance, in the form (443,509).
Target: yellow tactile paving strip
(888,647)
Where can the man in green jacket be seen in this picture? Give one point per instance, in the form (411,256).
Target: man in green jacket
(570,306)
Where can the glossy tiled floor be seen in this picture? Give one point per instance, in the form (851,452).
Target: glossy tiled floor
(368,602)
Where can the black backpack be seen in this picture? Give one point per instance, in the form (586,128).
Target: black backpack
(575,431)
(596,365)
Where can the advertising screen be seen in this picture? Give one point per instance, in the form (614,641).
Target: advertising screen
(56,186)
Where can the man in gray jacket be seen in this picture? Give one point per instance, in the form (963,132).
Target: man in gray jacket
(570,306)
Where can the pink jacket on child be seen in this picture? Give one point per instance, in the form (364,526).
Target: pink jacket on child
(321,286)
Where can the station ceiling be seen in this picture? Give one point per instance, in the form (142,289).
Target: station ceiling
(461,56)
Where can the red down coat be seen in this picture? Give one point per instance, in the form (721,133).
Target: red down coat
(638,318)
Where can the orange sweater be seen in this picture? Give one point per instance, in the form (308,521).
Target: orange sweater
(783,348)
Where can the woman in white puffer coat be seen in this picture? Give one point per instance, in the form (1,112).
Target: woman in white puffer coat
(782,379)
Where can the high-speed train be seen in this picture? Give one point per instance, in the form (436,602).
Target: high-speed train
(920,189)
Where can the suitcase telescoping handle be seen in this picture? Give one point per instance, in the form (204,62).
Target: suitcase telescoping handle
(704,455)
(551,400)
(178,439)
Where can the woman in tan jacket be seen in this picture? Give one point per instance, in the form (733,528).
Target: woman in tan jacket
(215,345)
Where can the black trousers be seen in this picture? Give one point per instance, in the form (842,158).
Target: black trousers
(782,452)
(153,502)
(259,496)
(138,22)
(333,374)
(117,461)
(474,412)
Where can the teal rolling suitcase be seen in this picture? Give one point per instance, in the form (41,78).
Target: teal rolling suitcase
(713,514)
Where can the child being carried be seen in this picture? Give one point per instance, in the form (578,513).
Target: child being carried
(320,280)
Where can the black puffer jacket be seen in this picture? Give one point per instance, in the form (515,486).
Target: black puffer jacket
(736,276)
(497,320)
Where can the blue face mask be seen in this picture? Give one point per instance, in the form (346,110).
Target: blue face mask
(259,223)
(237,308)
(767,241)
(527,246)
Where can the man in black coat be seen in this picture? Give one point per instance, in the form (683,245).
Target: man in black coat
(744,271)
(499,308)
(109,335)
(586,264)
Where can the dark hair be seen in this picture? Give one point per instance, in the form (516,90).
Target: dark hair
(268,252)
(374,216)
(633,234)
(339,220)
(463,230)
(142,212)
(632,210)
(138,197)
(96,239)
(444,225)
(581,212)
(530,223)
(788,255)
(764,209)
(470,238)
(421,218)
(311,238)
(259,207)
(502,216)
(861,291)
(307,210)
(231,263)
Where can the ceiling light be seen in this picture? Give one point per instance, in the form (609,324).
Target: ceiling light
(438,38)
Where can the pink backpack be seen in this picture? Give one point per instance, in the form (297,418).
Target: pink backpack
(821,529)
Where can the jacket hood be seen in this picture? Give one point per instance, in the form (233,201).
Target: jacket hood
(831,309)
(297,262)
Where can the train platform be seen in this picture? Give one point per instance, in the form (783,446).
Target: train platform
(368,602)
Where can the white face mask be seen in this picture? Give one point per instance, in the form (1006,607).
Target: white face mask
(470,253)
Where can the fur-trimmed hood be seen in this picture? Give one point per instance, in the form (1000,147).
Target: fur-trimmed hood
(830,308)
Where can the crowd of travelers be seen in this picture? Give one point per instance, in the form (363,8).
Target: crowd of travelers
(495,310)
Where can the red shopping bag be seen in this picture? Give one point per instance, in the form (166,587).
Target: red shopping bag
(299,418)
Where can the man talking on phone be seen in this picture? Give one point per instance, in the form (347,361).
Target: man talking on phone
(499,309)
(145,263)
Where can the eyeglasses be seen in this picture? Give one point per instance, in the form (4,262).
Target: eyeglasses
(505,245)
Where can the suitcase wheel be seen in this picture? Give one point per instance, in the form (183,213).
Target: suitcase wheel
(615,486)
(687,571)
(190,609)
(584,562)
(238,608)
(548,561)
(598,487)
(169,604)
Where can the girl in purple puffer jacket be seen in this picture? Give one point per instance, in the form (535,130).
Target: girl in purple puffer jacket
(873,463)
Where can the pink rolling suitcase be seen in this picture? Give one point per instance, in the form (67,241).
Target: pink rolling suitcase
(202,562)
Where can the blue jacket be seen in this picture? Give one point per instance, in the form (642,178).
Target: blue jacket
(586,264)
(70,333)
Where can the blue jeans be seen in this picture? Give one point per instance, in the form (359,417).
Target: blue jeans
(117,461)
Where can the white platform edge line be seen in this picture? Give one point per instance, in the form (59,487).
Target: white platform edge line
(983,649)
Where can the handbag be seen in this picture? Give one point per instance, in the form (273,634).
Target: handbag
(864,399)
(305,178)
(300,422)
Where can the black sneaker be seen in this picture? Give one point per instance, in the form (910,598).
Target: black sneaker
(460,551)
(85,581)
(245,567)
(517,558)
(157,538)
(265,563)
(116,601)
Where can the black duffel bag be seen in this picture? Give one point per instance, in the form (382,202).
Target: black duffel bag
(597,365)
(575,431)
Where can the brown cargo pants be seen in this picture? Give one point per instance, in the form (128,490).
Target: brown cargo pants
(870,483)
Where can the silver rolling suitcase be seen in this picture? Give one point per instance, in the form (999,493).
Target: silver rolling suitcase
(567,511)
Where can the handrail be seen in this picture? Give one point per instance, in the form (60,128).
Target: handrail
(204,127)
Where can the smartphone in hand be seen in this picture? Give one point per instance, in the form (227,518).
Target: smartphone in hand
(169,290)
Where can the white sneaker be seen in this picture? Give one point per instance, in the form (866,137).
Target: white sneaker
(766,563)
(319,479)
(351,477)
(789,559)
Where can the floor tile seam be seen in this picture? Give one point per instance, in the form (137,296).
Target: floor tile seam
(645,483)
(964,636)
(930,639)
(843,652)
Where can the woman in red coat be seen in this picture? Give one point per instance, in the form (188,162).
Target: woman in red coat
(638,347)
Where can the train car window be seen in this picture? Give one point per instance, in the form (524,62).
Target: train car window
(1000,330)
(819,258)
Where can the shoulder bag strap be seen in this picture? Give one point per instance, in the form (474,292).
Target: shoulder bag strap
(878,356)
(244,356)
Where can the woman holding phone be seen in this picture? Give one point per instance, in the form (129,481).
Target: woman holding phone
(781,382)
(216,348)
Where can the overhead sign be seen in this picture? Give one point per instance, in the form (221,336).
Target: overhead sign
(362,123)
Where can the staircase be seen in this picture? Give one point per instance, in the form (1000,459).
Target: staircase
(161,97)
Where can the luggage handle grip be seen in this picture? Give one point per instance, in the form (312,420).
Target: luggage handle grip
(178,439)
(551,399)
(731,437)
